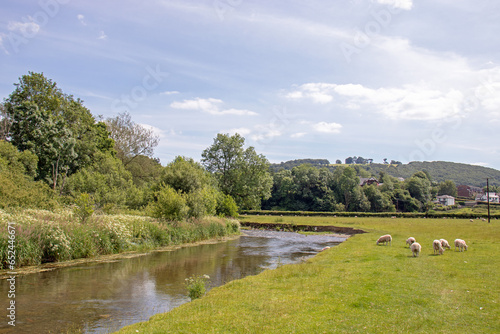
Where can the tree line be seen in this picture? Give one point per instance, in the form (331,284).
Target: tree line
(54,152)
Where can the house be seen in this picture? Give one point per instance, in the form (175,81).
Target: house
(468,191)
(368,181)
(494,198)
(446,200)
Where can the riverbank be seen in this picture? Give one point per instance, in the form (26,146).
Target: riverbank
(46,239)
(359,286)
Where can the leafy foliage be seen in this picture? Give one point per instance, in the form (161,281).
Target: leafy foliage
(241,173)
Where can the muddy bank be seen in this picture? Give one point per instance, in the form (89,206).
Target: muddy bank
(303,228)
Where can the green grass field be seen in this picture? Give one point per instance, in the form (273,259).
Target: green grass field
(359,286)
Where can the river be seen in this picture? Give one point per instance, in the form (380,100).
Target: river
(103,297)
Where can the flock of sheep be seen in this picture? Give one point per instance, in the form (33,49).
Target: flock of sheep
(438,245)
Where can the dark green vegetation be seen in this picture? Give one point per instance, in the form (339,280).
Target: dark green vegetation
(438,171)
(359,286)
(307,188)
(42,236)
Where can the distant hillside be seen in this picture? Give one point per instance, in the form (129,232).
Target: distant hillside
(438,170)
(294,163)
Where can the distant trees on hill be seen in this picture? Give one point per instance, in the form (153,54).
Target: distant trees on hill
(438,171)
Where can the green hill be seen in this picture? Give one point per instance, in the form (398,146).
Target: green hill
(438,170)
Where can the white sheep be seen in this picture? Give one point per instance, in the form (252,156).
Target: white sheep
(415,248)
(385,239)
(410,241)
(460,244)
(445,243)
(436,244)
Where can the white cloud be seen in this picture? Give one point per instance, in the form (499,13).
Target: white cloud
(242,131)
(488,89)
(210,106)
(102,35)
(174,92)
(483,164)
(265,134)
(81,18)
(402,4)
(298,135)
(325,127)
(317,92)
(412,102)
(27,29)
(157,131)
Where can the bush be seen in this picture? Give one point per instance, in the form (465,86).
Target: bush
(226,206)
(84,207)
(169,204)
(197,286)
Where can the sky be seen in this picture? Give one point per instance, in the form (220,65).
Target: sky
(405,80)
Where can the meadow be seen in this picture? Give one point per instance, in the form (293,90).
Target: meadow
(41,236)
(358,286)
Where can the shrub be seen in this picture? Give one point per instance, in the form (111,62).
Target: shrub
(197,286)
(84,207)
(226,206)
(169,204)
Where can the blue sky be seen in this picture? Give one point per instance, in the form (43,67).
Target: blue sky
(399,79)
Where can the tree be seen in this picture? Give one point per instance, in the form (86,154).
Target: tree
(379,202)
(241,173)
(447,187)
(360,161)
(55,126)
(106,180)
(338,162)
(419,187)
(5,123)
(131,139)
(52,142)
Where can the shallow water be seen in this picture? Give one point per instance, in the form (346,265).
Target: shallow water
(103,297)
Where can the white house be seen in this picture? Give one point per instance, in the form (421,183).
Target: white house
(494,198)
(446,200)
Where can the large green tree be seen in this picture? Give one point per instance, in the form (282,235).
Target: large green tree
(53,125)
(447,187)
(240,172)
(51,141)
(419,187)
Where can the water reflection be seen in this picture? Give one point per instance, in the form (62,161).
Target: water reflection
(103,297)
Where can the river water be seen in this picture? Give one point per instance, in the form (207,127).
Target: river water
(103,297)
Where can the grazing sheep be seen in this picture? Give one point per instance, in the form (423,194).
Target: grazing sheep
(460,244)
(410,241)
(415,248)
(471,220)
(436,244)
(445,243)
(385,239)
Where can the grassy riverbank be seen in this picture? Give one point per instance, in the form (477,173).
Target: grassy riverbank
(45,236)
(359,286)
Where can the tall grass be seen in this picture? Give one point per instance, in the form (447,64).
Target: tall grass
(45,236)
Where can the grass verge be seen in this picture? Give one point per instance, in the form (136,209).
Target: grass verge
(359,286)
